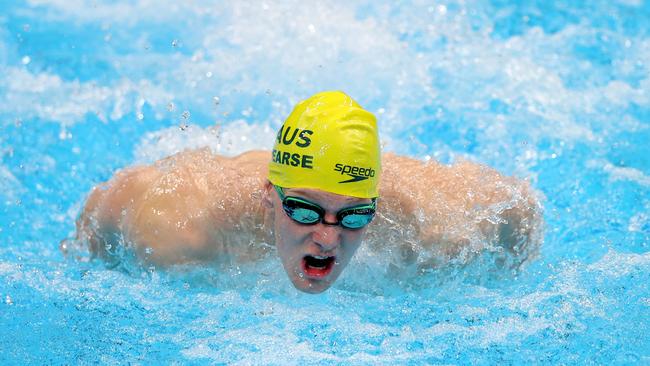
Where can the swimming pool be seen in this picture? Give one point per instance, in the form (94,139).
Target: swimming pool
(555,92)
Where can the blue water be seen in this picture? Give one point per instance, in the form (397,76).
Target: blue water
(554,92)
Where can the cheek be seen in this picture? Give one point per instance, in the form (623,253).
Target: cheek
(353,240)
(287,234)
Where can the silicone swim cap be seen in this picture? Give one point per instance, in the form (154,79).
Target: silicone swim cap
(329,143)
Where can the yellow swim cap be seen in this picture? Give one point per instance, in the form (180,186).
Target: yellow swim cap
(328,143)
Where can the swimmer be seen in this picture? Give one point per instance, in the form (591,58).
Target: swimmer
(320,194)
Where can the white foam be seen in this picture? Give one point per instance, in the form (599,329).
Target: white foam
(615,264)
(264,57)
(231,139)
(112,11)
(635,3)
(68,102)
(10,186)
(639,221)
(617,173)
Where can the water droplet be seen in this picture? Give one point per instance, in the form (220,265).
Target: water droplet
(26,60)
(140,116)
(8,300)
(175,43)
(215,129)
(170,107)
(216,100)
(311,28)
(185,115)
(148,250)
(183,126)
(208,74)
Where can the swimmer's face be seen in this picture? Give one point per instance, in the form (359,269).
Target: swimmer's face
(314,255)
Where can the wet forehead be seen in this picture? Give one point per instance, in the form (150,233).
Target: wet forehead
(329,201)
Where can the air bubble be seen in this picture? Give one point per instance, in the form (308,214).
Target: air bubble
(64,135)
(26,60)
(208,74)
(216,100)
(175,43)
(8,300)
(170,107)
(140,116)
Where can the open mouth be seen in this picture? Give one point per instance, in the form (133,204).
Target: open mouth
(317,266)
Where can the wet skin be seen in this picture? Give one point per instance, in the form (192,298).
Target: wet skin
(197,207)
(295,241)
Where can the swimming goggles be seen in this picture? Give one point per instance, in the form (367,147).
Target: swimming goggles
(309,213)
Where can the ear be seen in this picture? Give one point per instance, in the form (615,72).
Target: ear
(267,198)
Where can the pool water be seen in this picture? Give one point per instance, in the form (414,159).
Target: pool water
(554,92)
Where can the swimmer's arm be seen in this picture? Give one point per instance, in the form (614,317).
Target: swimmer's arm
(99,225)
(445,208)
(507,210)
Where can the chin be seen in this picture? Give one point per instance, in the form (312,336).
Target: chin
(310,286)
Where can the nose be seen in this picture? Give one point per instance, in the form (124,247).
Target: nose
(328,237)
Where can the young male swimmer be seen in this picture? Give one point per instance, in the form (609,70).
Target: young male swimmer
(316,197)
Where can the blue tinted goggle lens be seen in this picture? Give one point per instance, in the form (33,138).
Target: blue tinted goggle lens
(308,213)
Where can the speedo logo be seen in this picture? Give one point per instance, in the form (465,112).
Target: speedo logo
(357,173)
